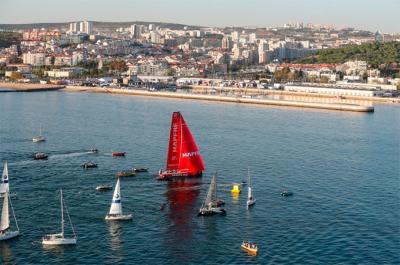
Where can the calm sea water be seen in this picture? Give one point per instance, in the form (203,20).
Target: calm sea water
(342,167)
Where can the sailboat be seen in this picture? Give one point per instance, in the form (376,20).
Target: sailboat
(184,159)
(40,137)
(209,207)
(5,232)
(250,198)
(115,212)
(60,238)
(4,184)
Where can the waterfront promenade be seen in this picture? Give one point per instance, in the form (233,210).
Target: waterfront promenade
(231,99)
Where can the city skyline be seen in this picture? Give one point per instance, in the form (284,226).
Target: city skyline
(357,13)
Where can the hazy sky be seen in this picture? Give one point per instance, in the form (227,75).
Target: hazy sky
(363,14)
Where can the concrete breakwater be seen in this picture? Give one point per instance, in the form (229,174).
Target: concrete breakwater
(27,87)
(286,103)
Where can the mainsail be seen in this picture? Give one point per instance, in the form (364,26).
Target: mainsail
(211,191)
(4,186)
(116,207)
(183,153)
(5,218)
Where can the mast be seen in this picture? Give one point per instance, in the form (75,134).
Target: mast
(249,195)
(40,130)
(62,214)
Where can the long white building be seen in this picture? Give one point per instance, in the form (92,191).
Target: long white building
(333,91)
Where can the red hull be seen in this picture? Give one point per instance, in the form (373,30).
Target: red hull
(118,153)
(177,175)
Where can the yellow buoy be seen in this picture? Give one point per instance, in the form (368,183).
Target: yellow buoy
(235,188)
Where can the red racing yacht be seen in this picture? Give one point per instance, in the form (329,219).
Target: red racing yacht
(184,159)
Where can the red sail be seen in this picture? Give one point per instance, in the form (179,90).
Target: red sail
(174,149)
(183,154)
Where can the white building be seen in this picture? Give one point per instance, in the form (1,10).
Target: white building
(35,59)
(74,27)
(86,27)
(334,91)
(136,31)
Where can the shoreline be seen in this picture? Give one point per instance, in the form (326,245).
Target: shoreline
(266,102)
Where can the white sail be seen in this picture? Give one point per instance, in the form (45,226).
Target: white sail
(4,186)
(116,206)
(249,195)
(5,218)
(210,192)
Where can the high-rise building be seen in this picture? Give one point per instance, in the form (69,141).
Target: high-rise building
(86,27)
(74,27)
(226,43)
(155,37)
(263,48)
(235,35)
(136,31)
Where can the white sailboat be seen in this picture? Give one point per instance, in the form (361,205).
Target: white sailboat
(60,239)
(115,213)
(250,197)
(5,232)
(40,137)
(209,207)
(4,184)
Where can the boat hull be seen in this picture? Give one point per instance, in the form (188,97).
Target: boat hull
(59,241)
(9,235)
(212,211)
(178,175)
(38,139)
(118,154)
(250,202)
(251,251)
(122,217)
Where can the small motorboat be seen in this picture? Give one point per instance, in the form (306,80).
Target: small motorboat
(243,183)
(40,156)
(129,173)
(250,247)
(89,165)
(92,151)
(118,153)
(104,187)
(286,193)
(140,169)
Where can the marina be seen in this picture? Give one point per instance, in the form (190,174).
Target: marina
(323,222)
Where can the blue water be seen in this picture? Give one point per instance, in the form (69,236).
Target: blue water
(343,168)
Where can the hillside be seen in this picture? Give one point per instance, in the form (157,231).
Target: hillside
(9,38)
(374,53)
